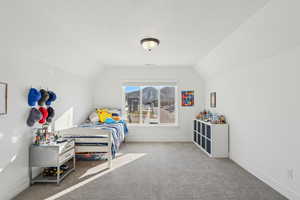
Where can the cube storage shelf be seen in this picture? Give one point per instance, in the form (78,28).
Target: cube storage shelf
(211,138)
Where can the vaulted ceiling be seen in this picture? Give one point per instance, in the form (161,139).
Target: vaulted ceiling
(81,36)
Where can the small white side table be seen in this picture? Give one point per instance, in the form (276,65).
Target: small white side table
(52,155)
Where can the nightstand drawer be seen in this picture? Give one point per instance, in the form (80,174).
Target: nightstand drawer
(67,155)
(66,147)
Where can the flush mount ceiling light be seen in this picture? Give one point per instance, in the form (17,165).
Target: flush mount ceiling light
(149,43)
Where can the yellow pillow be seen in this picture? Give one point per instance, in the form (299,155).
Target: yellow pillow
(103,115)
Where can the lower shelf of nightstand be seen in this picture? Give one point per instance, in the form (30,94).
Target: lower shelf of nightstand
(54,179)
(51,179)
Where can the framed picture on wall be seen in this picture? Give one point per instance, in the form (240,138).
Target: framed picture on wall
(213,100)
(3,98)
(187,98)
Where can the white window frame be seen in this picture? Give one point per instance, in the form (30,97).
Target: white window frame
(149,84)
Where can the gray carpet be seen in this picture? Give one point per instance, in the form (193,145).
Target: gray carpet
(158,171)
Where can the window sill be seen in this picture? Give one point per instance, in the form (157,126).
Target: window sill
(153,125)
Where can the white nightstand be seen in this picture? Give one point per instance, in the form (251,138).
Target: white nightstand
(52,155)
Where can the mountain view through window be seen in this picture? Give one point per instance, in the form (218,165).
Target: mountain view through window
(150,104)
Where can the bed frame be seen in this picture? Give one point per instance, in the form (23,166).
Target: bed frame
(79,131)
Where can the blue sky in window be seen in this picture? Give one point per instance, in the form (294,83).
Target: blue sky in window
(131,88)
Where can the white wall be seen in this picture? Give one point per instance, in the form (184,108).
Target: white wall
(15,137)
(108,90)
(255,73)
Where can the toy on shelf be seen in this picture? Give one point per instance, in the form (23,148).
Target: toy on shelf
(222,119)
(213,118)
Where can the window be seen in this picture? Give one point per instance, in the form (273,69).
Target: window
(150,104)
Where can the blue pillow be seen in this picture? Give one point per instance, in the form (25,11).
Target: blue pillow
(109,121)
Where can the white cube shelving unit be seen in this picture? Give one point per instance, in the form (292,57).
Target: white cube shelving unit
(211,138)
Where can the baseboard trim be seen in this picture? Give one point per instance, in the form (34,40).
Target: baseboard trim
(19,187)
(22,184)
(288,193)
(167,139)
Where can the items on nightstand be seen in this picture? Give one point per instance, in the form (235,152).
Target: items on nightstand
(44,137)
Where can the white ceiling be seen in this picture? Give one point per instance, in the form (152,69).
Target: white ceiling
(80,36)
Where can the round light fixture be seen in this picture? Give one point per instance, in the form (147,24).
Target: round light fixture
(149,43)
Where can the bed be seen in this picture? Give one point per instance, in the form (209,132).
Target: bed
(98,138)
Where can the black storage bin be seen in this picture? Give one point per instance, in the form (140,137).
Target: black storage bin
(208,132)
(195,136)
(203,129)
(208,146)
(203,142)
